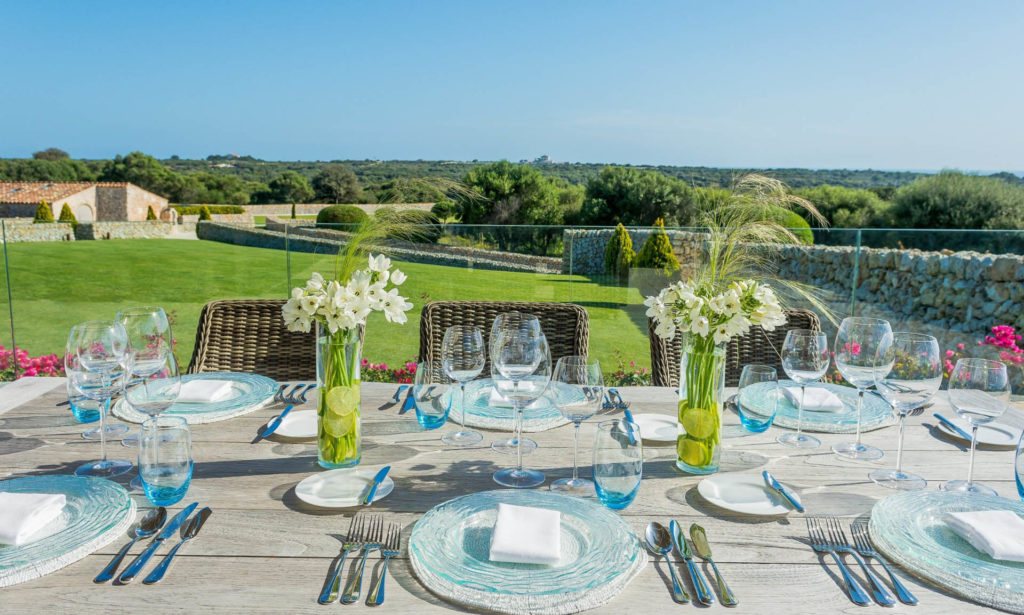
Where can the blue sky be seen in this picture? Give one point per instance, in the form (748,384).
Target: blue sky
(821,84)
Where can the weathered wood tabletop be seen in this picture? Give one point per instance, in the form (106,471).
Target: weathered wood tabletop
(264,550)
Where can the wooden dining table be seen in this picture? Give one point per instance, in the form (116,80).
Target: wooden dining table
(265,551)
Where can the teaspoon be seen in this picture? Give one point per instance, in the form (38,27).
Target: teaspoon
(659,541)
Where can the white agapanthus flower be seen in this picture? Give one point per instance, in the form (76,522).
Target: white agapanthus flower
(397,277)
(715,316)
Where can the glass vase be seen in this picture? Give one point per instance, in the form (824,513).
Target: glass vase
(338,357)
(701,389)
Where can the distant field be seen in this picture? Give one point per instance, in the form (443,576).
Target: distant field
(55,285)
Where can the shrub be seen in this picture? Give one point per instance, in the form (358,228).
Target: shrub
(66,215)
(340,214)
(204,213)
(657,251)
(192,210)
(798,226)
(293,212)
(952,200)
(150,215)
(43,213)
(619,254)
(444,209)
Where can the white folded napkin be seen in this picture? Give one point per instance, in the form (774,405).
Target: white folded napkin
(23,514)
(815,400)
(204,391)
(525,535)
(998,533)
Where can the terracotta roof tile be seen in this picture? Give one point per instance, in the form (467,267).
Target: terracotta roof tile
(33,192)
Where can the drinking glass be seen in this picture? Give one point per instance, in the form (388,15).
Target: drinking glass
(856,358)
(101,348)
(909,373)
(979,392)
(463,356)
(522,358)
(763,381)
(83,408)
(151,391)
(165,459)
(149,335)
(805,360)
(514,321)
(618,462)
(431,393)
(577,390)
(1018,466)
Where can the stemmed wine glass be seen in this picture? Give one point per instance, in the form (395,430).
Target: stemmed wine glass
(909,373)
(979,391)
(151,392)
(149,335)
(79,400)
(101,348)
(577,390)
(509,320)
(521,357)
(463,356)
(805,360)
(856,358)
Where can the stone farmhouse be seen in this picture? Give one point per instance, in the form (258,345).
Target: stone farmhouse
(89,201)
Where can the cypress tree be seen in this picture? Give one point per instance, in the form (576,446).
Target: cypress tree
(43,213)
(657,251)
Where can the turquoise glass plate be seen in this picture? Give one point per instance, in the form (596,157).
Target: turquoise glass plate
(449,549)
(538,416)
(909,530)
(877,413)
(248,392)
(97,512)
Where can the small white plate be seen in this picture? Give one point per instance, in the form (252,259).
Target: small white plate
(341,488)
(298,424)
(657,427)
(991,434)
(745,493)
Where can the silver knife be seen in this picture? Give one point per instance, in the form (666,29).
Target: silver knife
(273,425)
(774,484)
(951,425)
(377,480)
(703,593)
(139,562)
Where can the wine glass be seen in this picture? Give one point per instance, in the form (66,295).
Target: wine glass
(502,385)
(463,356)
(101,348)
(79,401)
(149,335)
(577,390)
(755,382)
(151,391)
(805,360)
(909,373)
(521,358)
(856,358)
(979,392)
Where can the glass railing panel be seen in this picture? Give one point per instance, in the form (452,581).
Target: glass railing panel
(8,370)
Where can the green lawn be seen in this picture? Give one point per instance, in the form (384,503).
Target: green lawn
(55,285)
(262,220)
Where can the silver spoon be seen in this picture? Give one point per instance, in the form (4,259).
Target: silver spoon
(700,545)
(188,531)
(659,542)
(147,526)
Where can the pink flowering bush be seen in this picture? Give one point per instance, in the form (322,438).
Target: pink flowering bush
(380,372)
(628,375)
(43,365)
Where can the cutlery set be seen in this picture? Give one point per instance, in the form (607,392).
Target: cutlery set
(827,536)
(613,400)
(661,541)
(296,395)
(366,533)
(188,528)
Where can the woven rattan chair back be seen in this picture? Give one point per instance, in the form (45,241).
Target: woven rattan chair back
(248,335)
(757,346)
(565,325)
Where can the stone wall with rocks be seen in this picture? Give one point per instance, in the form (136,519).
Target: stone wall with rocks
(583,250)
(22,230)
(311,209)
(243,219)
(147,229)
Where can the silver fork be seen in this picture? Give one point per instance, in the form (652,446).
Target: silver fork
(353,541)
(841,544)
(859,529)
(821,544)
(375,596)
(371,540)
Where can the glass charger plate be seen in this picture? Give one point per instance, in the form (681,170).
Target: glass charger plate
(908,529)
(97,512)
(249,392)
(541,415)
(877,413)
(449,552)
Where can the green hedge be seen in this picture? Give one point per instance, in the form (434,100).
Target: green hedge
(340,214)
(195,210)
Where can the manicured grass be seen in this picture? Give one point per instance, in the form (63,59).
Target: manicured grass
(262,220)
(55,285)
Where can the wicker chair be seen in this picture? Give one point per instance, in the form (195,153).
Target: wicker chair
(248,335)
(565,325)
(757,346)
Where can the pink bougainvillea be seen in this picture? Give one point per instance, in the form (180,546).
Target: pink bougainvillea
(43,365)
(380,372)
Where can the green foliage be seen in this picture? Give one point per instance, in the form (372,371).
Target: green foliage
(192,210)
(290,187)
(507,193)
(66,215)
(150,215)
(848,207)
(336,183)
(408,191)
(340,214)
(36,170)
(444,209)
(50,153)
(619,254)
(43,213)
(204,213)
(637,198)
(293,211)
(956,201)
(795,223)
(657,251)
